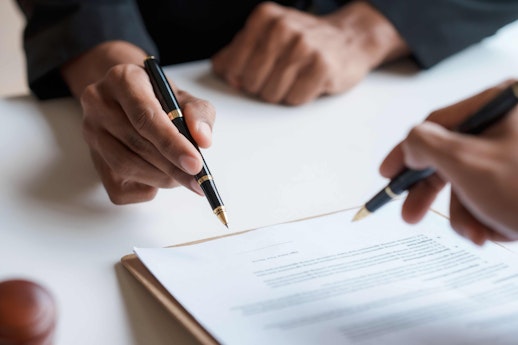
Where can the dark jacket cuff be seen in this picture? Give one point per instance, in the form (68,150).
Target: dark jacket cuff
(434,30)
(49,43)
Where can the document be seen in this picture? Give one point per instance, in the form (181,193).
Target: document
(328,280)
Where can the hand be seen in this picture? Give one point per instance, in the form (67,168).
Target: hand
(134,146)
(283,55)
(481,170)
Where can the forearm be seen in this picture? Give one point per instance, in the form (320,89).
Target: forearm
(437,29)
(380,38)
(60,31)
(94,63)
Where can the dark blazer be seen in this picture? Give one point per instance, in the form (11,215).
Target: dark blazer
(186,30)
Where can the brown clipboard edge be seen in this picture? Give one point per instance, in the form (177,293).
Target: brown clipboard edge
(142,274)
(132,263)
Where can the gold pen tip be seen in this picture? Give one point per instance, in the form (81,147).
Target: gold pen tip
(362,213)
(221,213)
(222,216)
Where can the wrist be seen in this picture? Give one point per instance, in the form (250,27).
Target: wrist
(92,65)
(378,38)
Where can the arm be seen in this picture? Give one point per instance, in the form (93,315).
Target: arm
(437,29)
(481,170)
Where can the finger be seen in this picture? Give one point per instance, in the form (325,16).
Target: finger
(199,116)
(469,226)
(108,118)
(269,47)
(393,162)
(448,117)
(244,43)
(136,97)
(430,145)
(121,191)
(463,222)
(458,159)
(117,127)
(452,115)
(222,61)
(285,72)
(420,197)
(128,165)
(309,83)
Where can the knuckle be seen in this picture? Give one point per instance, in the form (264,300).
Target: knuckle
(143,117)
(266,8)
(202,108)
(281,27)
(88,132)
(137,144)
(90,95)
(437,115)
(121,75)
(414,135)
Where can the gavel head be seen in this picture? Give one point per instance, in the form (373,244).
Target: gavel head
(27,313)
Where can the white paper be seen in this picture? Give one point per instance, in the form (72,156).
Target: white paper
(328,280)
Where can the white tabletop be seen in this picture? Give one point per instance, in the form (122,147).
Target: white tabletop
(271,164)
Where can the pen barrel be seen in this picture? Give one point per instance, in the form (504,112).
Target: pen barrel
(408,178)
(491,112)
(378,200)
(211,192)
(402,182)
(163,91)
(204,177)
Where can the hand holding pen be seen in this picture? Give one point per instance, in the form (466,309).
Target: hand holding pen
(482,169)
(136,152)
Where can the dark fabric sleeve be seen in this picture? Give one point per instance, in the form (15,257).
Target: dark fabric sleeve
(437,29)
(58,30)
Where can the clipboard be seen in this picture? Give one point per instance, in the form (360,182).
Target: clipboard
(136,268)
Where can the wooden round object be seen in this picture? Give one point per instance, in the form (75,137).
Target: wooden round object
(27,313)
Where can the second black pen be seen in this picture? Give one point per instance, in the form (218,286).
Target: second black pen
(493,111)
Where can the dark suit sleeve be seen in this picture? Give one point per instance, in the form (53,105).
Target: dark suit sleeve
(436,29)
(56,31)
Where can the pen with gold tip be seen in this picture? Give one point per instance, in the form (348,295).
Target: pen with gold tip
(492,112)
(167,98)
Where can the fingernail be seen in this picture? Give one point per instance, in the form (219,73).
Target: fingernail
(189,164)
(204,128)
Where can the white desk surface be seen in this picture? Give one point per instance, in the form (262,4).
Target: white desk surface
(271,163)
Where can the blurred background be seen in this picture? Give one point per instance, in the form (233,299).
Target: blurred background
(12,60)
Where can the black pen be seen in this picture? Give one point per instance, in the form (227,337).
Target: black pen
(493,111)
(167,98)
